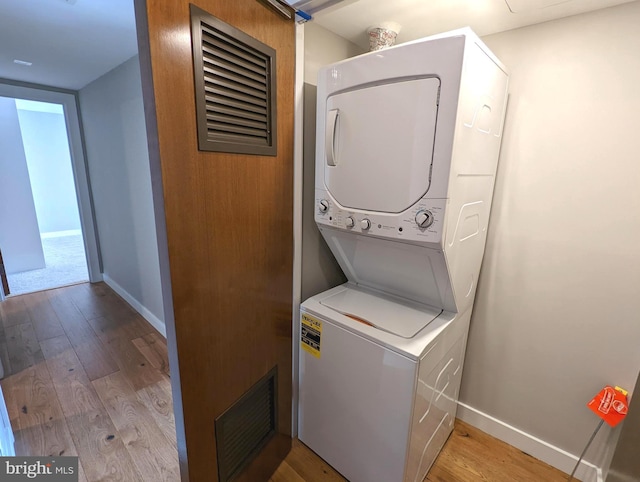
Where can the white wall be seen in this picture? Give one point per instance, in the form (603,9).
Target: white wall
(321,48)
(116,141)
(19,235)
(557,310)
(44,136)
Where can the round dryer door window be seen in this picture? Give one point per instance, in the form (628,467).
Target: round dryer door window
(379,144)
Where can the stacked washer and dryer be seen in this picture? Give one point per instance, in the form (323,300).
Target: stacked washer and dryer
(407,149)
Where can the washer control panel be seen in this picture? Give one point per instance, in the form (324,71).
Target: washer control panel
(423,222)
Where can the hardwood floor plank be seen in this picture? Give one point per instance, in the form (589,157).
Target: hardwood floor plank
(154,348)
(101,449)
(309,466)
(97,300)
(8,387)
(35,396)
(38,423)
(82,477)
(117,336)
(14,312)
(43,317)
(97,440)
(95,358)
(471,454)
(4,352)
(23,347)
(157,398)
(155,457)
(286,474)
(86,301)
(119,311)
(51,438)
(55,346)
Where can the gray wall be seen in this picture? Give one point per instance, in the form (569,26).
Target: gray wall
(556,312)
(19,235)
(44,135)
(320,271)
(116,141)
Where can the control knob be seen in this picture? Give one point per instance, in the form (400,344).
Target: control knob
(424,218)
(365,224)
(323,206)
(350,222)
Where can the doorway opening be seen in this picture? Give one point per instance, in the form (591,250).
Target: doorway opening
(41,236)
(47,231)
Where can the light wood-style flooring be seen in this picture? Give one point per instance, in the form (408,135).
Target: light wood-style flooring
(86,375)
(469,455)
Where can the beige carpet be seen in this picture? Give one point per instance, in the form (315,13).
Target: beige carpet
(66,264)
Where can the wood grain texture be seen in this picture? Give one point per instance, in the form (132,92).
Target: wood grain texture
(43,318)
(95,358)
(4,352)
(8,386)
(154,348)
(229,228)
(157,399)
(14,312)
(117,335)
(93,433)
(37,418)
(309,466)
(54,408)
(22,347)
(469,455)
(472,455)
(150,450)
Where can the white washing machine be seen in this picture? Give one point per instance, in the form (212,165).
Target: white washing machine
(379,401)
(406,156)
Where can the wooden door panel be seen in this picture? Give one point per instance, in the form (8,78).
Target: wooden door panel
(3,277)
(229,221)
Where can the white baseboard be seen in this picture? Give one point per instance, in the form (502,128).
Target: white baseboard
(58,234)
(541,450)
(136,305)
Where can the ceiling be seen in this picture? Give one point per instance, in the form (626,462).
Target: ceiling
(419,18)
(69,42)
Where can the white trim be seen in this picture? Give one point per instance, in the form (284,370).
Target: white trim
(541,450)
(298,149)
(136,305)
(78,163)
(60,234)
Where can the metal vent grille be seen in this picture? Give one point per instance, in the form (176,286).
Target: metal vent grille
(235,88)
(245,428)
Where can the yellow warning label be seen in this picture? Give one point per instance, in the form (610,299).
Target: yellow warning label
(310,334)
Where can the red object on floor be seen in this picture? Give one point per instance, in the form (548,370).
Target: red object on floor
(610,404)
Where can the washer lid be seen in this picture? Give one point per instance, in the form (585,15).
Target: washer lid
(385,313)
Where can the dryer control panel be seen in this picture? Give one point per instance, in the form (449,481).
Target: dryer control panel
(423,222)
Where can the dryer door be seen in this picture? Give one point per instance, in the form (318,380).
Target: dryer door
(379,144)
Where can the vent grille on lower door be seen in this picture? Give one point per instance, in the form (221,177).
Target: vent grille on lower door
(245,428)
(235,85)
